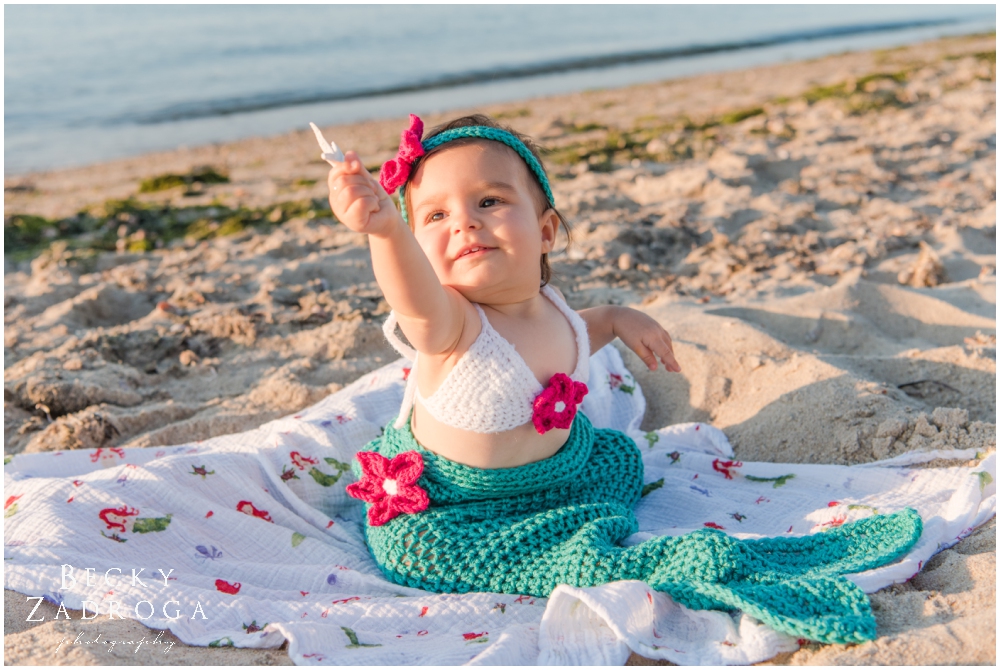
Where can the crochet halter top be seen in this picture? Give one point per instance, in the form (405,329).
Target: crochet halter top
(491,389)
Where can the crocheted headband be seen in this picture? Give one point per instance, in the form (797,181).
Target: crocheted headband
(395,172)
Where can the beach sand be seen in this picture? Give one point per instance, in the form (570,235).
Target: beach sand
(819,238)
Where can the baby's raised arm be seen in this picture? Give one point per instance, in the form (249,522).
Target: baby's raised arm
(431,315)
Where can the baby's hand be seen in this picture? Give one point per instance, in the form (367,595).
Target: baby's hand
(643,335)
(358,200)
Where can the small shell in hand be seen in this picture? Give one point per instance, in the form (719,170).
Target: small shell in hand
(331,153)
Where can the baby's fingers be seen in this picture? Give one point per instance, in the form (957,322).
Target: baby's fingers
(350,167)
(346,188)
(375,184)
(361,209)
(350,192)
(352,162)
(663,347)
(646,355)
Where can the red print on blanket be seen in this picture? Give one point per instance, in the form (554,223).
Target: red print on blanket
(726,467)
(300,461)
(125,519)
(834,522)
(10,507)
(116,518)
(248,508)
(226,587)
(107,456)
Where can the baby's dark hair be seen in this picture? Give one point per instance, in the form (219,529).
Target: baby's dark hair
(541,201)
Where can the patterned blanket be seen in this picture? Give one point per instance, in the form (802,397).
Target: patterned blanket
(250,540)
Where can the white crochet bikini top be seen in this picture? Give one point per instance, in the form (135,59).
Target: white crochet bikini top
(491,389)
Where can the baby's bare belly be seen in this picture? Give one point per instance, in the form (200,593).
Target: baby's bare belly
(508,449)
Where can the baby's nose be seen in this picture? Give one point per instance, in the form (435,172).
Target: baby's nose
(465,221)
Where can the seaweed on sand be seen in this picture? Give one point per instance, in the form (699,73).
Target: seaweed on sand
(135,226)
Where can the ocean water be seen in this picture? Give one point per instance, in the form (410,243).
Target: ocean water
(87,83)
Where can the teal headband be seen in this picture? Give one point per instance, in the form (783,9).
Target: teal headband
(486,133)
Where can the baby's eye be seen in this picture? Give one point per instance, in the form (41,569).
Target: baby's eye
(489,202)
(436,216)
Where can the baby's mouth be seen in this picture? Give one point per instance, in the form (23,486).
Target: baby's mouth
(474,251)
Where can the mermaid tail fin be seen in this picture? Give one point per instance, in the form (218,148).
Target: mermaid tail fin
(854,547)
(827,609)
(794,585)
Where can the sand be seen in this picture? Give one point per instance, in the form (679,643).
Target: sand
(819,238)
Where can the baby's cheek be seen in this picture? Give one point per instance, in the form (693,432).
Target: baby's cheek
(436,251)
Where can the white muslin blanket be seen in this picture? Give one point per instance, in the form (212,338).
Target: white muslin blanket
(250,540)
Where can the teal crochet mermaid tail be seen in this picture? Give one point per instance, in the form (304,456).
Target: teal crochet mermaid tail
(527,529)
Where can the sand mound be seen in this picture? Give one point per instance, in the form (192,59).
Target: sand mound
(891,377)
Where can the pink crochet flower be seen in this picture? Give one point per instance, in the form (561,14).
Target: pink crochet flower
(390,486)
(555,407)
(396,171)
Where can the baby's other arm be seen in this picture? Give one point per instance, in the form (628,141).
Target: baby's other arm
(640,333)
(432,316)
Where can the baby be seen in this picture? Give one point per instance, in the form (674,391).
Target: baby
(468,283)
(489,479)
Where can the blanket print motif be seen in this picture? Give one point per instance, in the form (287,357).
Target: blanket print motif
(254,540)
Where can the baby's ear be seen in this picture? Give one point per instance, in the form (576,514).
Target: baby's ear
(548,224)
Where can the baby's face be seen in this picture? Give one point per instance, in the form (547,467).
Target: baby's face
(476,215)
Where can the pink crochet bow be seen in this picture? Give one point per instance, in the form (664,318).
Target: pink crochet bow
(396,171)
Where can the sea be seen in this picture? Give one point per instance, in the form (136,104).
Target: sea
(90,83)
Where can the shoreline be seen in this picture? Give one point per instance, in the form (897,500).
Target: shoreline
(119,126)
(287,157)
(530,70)
(818,237)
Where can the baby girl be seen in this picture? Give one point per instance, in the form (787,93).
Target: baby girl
(490,479)
(468,283)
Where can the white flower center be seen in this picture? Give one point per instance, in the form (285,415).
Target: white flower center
(560,406)
(390,487)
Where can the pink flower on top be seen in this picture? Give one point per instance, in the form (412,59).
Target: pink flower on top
(390,486)
(555,407)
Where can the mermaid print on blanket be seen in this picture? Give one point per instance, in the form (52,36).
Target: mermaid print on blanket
(290,564)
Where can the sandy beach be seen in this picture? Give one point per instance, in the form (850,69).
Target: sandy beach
(818,237)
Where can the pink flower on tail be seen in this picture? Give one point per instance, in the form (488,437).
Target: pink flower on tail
(555,407)
(390,486)
(396,171)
